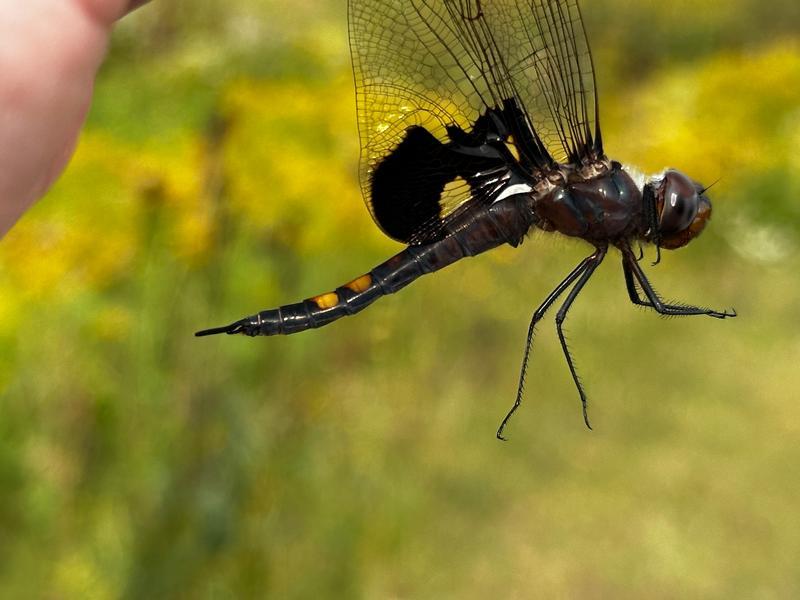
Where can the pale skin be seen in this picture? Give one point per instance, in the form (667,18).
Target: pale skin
(50,51)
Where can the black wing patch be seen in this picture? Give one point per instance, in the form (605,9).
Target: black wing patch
(409,185)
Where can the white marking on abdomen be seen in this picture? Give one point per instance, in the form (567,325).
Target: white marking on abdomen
(513,190)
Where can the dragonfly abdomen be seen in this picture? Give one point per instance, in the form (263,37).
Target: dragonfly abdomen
(506,221)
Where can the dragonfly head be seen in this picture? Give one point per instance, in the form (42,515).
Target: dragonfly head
(676,209)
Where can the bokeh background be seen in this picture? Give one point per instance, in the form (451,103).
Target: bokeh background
(217,176)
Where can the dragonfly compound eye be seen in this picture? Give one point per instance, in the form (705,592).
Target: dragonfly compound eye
(684,210)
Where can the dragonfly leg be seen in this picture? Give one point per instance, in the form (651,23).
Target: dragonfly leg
(594,262)
(537,316)
(630,285)
(634,274)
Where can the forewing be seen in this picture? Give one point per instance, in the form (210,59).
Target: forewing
(550,63)
(424,67)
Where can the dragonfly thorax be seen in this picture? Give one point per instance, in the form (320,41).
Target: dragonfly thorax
(600,209)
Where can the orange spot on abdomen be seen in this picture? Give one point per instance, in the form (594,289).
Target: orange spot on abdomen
(328,300)
(360,284)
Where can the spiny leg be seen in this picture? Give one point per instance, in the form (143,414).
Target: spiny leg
(537,316)
(594,261)
(630,285)
(631,269)
(633,291)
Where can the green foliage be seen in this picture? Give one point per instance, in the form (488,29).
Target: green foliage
(217,176)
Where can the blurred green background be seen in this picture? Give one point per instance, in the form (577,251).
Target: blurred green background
(217,177)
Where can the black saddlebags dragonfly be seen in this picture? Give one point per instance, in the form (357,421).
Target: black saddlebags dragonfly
(479,120)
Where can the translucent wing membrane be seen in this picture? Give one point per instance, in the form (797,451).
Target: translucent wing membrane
(458,98)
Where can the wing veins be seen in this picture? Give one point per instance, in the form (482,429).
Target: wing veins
(576,63)
(565,82)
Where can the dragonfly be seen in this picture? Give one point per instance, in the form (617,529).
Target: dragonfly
(479,122)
